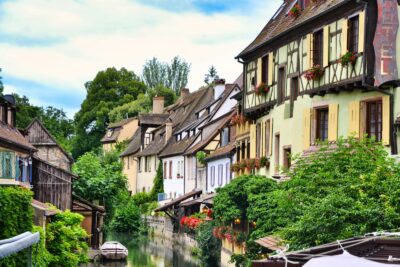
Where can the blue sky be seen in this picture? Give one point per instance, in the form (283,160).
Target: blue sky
(49,49)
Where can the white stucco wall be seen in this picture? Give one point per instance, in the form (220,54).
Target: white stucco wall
(218,181)
(174,187)
(145,179)
(190,173)
(226,106)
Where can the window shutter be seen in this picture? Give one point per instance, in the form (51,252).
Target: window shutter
(345,29)
(307,58)
(271,130)
(253,130)
(262,139)
(386,120)
(270,68)
(325,50)
(259,70)
(354,116)
(333,122)
(306,128)
(361,31)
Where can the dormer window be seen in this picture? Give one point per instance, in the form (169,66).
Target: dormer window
(110,132)
(224,136)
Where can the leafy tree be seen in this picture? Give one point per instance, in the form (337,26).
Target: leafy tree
(158,184)
(210,246)
(169,95)
(109,89)
(173,75)
(127,218)
(141,105)
(101,179)
(211,75)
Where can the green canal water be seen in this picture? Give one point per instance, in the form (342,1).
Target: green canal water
(151,252)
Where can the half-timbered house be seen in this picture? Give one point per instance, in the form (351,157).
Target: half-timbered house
(320,70)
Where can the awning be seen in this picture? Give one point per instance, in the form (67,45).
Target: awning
(271,242)
(15,244)
(345,259)
(201,200)
(175,202)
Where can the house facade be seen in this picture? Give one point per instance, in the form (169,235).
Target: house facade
(15,151)
(322,73)
(119,132)
(47,147)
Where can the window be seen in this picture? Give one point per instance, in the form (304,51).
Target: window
(322,124)
(243,150)
(281,85)
(179,169)
(248,150)
(267,136)
(318,48)
(264,69)
(140,164)
(258,140)
(146,164)
(250,76)
(220,174)
(227,173)
(165,170)
(277,145)
(352,42)
(170,169)
(287,157)
(374,119)
(212,170)
(224,136)
(294,93)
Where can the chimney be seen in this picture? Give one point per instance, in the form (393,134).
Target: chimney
(168,130)
(158,104)
(184,93)
(219,87)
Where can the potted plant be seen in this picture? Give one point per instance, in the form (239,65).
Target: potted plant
(261,89)
(314,73)
(295,11)
(250,164)
(242,165)
(348,58)
(235,167)
(264,162)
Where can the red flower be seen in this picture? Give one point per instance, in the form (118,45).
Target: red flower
(209,213)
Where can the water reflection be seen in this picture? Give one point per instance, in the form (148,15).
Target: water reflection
(150,252)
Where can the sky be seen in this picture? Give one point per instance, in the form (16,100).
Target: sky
(50,48)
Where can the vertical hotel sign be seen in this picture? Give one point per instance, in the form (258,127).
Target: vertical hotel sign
(385,42)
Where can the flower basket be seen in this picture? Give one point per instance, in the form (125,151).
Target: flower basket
(250,164)
(261,89)
(242,165)
(235,167)
(348,58)
(257,163)
(295,11)
(314,73)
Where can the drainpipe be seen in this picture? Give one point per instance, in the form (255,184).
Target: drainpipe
(393,139)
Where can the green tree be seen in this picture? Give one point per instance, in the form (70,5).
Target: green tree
(173,75)
(141,105)
(109,89)
(158,184)
(210,75)
(1,84)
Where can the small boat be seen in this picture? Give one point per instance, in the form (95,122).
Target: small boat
(113,250)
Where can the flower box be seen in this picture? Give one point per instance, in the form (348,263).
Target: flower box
(315,73)
(261,89)
(295,11)
(348,58)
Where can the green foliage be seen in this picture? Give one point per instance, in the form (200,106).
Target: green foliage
(201,157)
(65,240)
(173,75)
(109,89)
(101,179)
(210,75)
(40,255)
(141,105)
(169,95)
(1,84)
(127,218)
(16,217)
(210,246)
(158,183)
(240,260)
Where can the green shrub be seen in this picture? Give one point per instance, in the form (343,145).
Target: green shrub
(201,157)
(65,240)
(40,255)
(127,218)
(16,217)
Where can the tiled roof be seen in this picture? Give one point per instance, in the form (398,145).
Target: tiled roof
(134,144)
(194,193)
(222,151)
(239,80)
(12,136)
(271,242)
(153,119)
(282,23)
(155,146)
(174,147)
(120,123)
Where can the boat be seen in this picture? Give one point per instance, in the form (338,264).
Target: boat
(113,250)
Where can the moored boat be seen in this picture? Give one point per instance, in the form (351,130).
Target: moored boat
(113,250)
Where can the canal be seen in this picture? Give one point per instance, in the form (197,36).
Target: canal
(150,252)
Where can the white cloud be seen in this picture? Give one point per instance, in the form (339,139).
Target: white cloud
(88,36)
